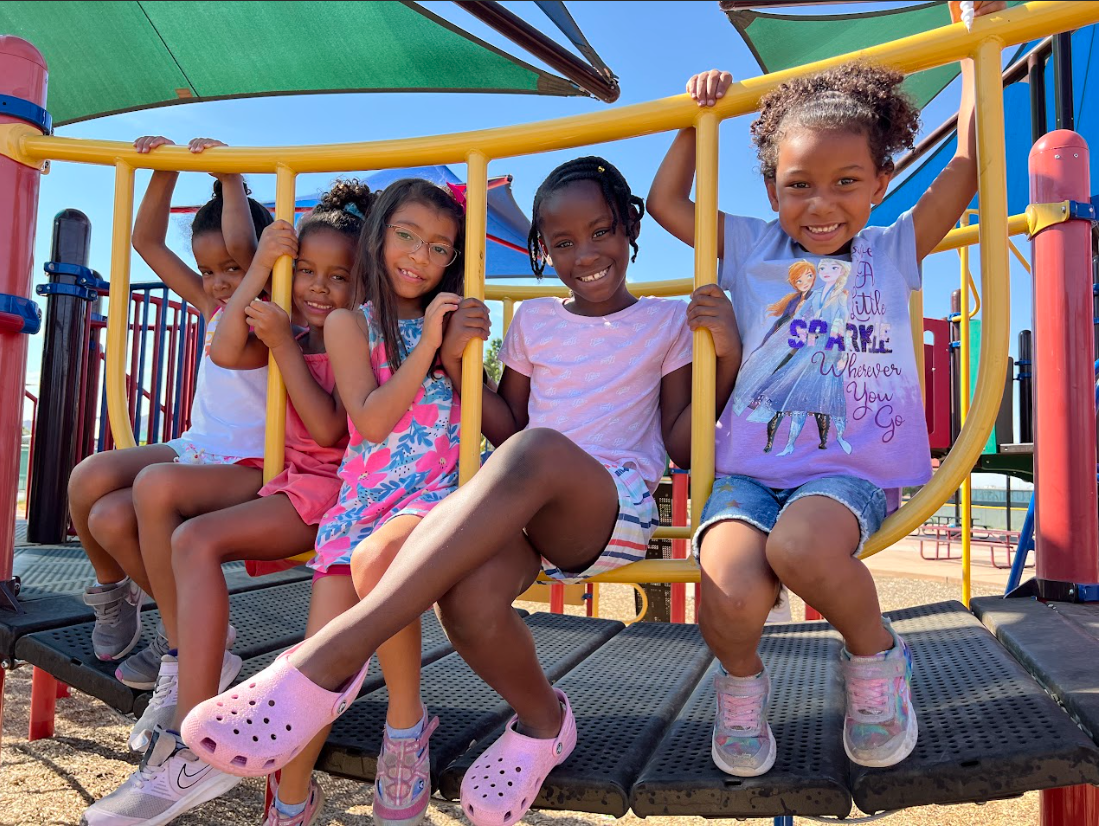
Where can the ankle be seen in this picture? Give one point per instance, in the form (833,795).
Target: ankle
(746,666)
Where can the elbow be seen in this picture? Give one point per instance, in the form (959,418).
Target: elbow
(219,358)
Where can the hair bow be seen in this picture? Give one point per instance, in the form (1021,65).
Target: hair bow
(458,193)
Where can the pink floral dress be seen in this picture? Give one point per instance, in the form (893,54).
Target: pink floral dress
(411,472)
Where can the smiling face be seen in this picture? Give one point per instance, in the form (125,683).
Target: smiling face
(322,275)
(414,273)
(221,275)
(588,252)
(824,187)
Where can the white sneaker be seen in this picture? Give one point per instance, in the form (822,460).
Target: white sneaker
(161,710)
(171,780)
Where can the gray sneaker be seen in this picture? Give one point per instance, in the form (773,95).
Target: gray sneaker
(161,710)
(140,671)
(743,744)
(117,618)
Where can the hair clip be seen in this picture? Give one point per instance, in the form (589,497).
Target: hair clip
(458,193)
(352,208)
(601,169)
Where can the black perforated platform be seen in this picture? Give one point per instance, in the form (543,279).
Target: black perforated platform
(466,706)
(806,716)
(1058,644)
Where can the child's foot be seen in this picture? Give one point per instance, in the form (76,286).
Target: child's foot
(140,671)
(117,618)
(503,783)
(880,726)
(161,710)
(171,780)
(403,784)
(743,744)
(310,810)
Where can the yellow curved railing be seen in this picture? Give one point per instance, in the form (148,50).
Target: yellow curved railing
(926,50)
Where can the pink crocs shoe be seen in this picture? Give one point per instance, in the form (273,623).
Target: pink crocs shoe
(499,788)
(260,725)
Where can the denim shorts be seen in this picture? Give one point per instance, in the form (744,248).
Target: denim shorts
(744,499)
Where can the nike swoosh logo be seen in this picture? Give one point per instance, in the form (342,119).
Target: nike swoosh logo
(186,780)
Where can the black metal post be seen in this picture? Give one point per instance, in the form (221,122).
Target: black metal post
(59,390)
(1026,386)
(1036,77)
(956,383)
(1062,81)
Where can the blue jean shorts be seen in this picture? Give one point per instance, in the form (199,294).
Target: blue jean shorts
(743,499)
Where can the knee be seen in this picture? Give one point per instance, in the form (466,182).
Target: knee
(111,519)
(470,614)
(90,481)
(195,547)
(530,453)
(370,560)
(155,489)
(793,550)
(719,613)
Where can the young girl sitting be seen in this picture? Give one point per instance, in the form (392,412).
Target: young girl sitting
(280,523)
(594,388)
(801,516)
(226,417)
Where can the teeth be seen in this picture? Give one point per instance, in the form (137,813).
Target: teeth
(823,230)
(318,306)
(594,276)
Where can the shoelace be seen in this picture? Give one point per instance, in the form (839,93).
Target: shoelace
(870,697)
(396,774)
(164,690)
(109,613)
(740,713)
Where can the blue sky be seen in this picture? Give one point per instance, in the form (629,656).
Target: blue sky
(652,46)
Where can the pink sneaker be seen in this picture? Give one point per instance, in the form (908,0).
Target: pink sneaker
(314,804)
(499,788)
(403,785)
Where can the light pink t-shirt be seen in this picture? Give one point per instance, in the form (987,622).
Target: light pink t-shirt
(597,379)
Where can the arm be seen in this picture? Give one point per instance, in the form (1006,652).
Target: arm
(233,346)
(939,208)
(151,230)
(375,409)
(669,200)
(321,412)
(236,217)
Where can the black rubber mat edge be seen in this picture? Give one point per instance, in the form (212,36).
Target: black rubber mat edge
(987,729)
(806,715)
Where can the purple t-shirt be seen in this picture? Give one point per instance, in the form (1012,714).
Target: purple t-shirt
(829,384)
(596,379)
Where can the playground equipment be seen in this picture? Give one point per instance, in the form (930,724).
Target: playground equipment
(1001,732)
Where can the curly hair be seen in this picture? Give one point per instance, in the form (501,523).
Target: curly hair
(370,267)
(626,207)
(858,96)
(342,208)
(208,216)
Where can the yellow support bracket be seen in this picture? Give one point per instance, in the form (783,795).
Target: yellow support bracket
(11,145)
(1043,216)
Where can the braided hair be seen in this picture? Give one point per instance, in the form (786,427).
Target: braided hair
(858,97)
(208,216)
(343,209)
(627,208)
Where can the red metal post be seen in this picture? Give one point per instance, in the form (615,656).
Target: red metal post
(680,485)
(1067,533)
(557,599)
(43,703)
(63,692)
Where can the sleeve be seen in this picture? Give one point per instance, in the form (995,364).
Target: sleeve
(513,352)
(742,234)
(681,340)
(898,243)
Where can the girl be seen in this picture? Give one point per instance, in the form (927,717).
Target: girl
(223,240)
(825,144)
(594,387)
(282,522)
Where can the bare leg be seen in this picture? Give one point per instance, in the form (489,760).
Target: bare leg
(166,495)
(811,550)
(538,480)
(267,528)
(332,596)
(113,523)
(399,656)
(94,478)
(738,591)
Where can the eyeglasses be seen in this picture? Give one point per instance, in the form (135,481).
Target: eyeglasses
(438,253)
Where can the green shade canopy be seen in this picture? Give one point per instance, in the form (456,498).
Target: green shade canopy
(110,57)
(782,41)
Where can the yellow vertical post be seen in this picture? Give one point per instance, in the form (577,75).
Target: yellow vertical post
(119,311)
(281,288)
(964,390)
(915,314)
(469,456)
(992,192)
(509,313)
(705,363)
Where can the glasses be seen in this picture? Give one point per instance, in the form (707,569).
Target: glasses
(438,253)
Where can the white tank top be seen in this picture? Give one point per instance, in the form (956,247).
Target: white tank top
(229,410)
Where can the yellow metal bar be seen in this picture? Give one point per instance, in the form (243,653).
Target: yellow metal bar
(119,309)
(705,363)
(915,314)
(925,50)
(1020,256)
(509,313)
(964,318)
(469,449)
(281,288)
(996,290)
(967,273)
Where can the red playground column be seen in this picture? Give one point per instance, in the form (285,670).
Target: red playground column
(23,91)
(1067,529)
